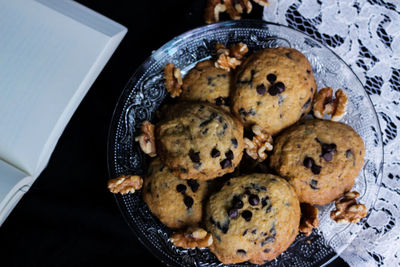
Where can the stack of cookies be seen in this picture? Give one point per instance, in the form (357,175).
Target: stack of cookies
(234,155)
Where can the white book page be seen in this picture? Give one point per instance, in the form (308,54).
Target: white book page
(47,62)
(13,184)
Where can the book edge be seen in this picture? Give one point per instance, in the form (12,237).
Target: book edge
(85,15)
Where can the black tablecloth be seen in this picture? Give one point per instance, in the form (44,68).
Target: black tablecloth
(68,217)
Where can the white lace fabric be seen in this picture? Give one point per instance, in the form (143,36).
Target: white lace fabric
(366,35)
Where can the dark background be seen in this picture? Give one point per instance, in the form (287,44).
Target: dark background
(68,217)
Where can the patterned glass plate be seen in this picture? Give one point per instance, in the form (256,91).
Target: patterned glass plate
(145,92)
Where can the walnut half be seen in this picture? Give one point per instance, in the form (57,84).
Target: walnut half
(233,7)
(261,142)
(192,238)
(348,210)
(125,184)
(325,104)
(230,58)
(309,218)
(146,139)
(173,80)
(213,8)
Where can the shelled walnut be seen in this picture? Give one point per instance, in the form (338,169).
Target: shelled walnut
(146,139)
(125,184)
(235,8)
(309,218)
(257,147)
(348,210)
(230,58)
(325,104)
(173,80)
(192,238)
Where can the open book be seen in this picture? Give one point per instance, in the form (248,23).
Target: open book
(50,54)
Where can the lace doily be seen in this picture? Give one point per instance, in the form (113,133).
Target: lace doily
(365,34)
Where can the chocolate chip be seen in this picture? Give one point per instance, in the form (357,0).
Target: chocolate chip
(247,215)
(212,221)
(308,162)
(241,252)
(181,188)
(254,231)
(215,153)
(261,90)
(308,71)
(267,250)
(268,209)
(333,148)
(193,184)
(254,200)
(229,155)
(219,101)
(316,169)
(251,112)
(227,101)
(276,88)
(328,147)
(349,153)
(245,232)
(233,213)
(194,156)
(224,227)
(271,77)
(188,201)
(272,231)
(212,116)
(204,131)
(237,203)
(197,166)
(264,201)
(247,191)
(314,184)
(242,112)
(269,239)
(234,142)
(225,163)
(280,86)
(327,156)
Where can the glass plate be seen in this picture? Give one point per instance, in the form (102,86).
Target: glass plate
(145,92)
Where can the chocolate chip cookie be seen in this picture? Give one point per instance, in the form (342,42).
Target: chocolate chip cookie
(207,83)
(176,202)
(319,158)
(274,89)
(253,218)
(199,141)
